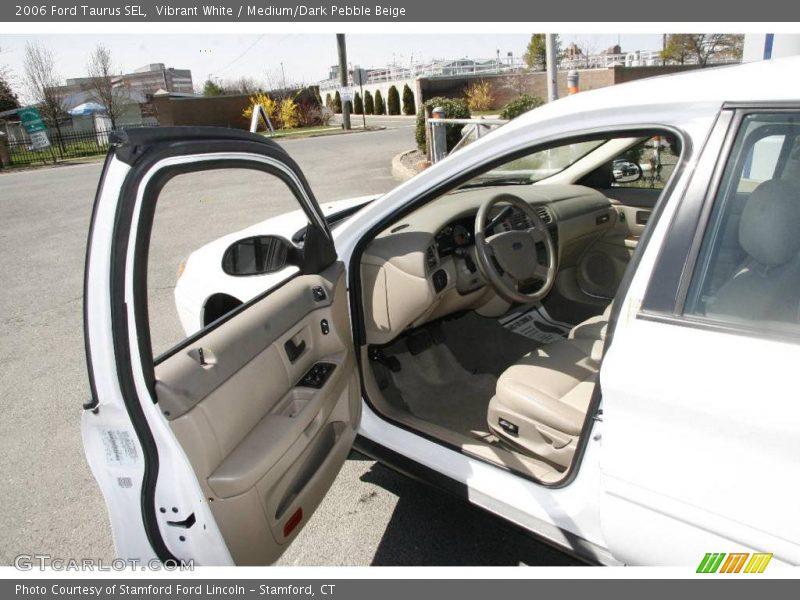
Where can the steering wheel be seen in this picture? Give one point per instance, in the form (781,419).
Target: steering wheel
(510,259)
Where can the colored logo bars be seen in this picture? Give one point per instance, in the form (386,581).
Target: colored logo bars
(719,562)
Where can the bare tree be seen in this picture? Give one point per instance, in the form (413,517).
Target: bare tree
(43,85)
(702,47)
(101,72)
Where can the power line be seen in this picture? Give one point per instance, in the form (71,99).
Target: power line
(235,60)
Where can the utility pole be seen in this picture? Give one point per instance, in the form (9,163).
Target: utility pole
(343,77)
(551,61)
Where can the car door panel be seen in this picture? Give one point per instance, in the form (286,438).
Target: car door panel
(275,443)
(223,428)
(603,264)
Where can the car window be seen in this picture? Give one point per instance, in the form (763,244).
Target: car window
(216,244)
(648,164)
(748,270)
(535,166)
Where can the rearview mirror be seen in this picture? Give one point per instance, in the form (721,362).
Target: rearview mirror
(625,171)
(258,255)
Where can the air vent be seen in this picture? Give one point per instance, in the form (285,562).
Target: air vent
(544,214)
(431,258)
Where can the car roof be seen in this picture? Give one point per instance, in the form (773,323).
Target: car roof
(769,80)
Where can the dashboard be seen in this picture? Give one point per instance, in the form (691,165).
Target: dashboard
(423,267)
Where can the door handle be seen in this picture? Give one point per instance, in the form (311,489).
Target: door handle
(293,351)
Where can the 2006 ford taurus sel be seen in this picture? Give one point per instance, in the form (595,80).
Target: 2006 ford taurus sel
(604,356)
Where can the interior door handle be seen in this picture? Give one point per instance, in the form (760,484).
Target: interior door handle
(293,351)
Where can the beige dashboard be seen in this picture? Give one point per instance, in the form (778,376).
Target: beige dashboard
(408,280)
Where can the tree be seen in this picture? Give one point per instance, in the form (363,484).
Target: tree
(242,85)
(8,99)
(702,48)
(536,53)
(212,88)
(358,105)
(380,107)
(409,106)
(337,102)
(101,71)
(328,100)
(43,85)
(369,104)
(393,101)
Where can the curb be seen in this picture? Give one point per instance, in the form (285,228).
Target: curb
(399,170)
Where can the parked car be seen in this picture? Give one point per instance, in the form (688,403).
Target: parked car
(659,424)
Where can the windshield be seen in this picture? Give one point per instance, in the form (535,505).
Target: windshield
(536,166)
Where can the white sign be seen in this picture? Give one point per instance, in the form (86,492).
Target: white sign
(346,93)
(39,140)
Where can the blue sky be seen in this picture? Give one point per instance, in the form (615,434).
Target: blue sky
(305,57)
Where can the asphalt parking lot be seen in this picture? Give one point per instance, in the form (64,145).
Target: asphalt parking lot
(50,502)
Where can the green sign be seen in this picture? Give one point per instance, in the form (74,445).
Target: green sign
(31,119)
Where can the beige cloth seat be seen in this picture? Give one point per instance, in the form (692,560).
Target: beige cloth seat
(540,402)
(766,288)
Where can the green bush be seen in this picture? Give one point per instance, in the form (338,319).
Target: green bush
(337,102)
(409,106)
(393,101)
(358,105)
(369,104)
(454,108)
(520,105)
(380,107)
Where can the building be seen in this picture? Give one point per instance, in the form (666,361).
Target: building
(151,78)
(139,86)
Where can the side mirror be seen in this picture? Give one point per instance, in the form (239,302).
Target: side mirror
(259,255)
(626,171)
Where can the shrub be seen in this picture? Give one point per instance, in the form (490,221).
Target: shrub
(358,105)
(519,105)
(409,106)
(271,107)
(479,96)
(380,108)
(337,102)
(453,109)
(369,104)
(393,101)
(325,115)
(289,114)
(309,114)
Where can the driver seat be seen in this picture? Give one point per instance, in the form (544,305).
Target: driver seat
(540,403)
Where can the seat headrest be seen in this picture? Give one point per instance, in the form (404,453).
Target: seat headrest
(769,229)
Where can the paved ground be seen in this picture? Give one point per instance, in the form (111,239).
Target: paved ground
(49,499)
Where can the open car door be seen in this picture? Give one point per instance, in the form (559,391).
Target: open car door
(219,450)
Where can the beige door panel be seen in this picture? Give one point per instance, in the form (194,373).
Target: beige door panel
(264,448)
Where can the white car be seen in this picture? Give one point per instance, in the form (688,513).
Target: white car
(209,285)
(609,367)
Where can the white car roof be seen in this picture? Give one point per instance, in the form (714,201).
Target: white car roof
(769,80)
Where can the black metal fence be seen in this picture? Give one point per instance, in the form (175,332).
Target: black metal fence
(64,143)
